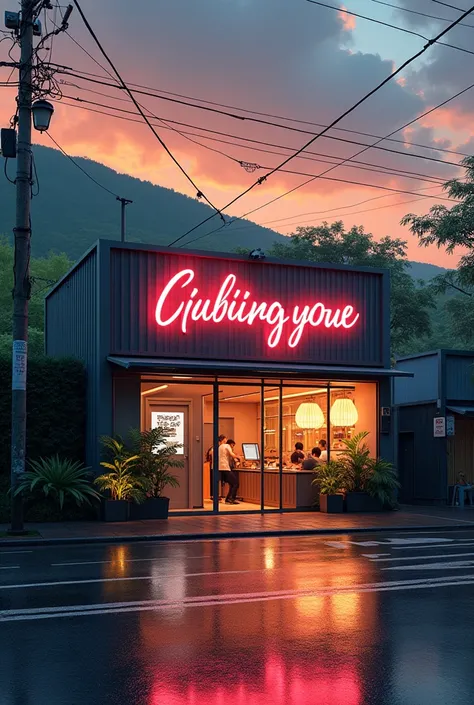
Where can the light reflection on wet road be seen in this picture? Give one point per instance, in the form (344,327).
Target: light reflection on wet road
(365,620)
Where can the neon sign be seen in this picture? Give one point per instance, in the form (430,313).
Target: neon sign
(233,303)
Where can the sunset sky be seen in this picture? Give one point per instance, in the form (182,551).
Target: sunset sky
(286,58)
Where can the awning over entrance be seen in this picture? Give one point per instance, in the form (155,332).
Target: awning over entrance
(259,369)
(463,410)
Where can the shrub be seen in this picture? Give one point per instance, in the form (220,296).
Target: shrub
(56,410)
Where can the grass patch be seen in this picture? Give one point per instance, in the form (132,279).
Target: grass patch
(27,534)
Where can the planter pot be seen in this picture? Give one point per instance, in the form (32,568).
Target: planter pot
(151,508)
(331,503)
(362,502)
(115,510)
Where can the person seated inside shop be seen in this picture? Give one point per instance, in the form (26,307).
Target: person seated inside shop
(297,456)
(313,461)
(324,452)
(227,461)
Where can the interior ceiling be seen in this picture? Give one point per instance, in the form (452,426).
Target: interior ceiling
(231,394)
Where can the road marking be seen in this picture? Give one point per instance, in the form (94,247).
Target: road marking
(417,558)
(260,554)
(10,553)
(9,567)
(374,556)
(417,541)
(433,545)
(434,566)
(433,516)
(224,600)
(168,576)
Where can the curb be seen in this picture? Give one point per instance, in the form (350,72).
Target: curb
(215,536)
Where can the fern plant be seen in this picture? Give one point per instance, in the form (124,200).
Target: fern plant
(330,478)
(121,480)
(356,460)
(382,481)
(60,479)
(155,456)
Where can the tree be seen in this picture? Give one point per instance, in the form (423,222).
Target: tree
(450,228)
(45,271)
(410,301)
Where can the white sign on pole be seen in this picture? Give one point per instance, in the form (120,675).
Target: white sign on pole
(174,422)
(450,425)
(19,365)
(439,427)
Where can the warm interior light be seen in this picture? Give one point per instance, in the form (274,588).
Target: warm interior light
(181,377)
(309,415)
(344,413)
(154,389)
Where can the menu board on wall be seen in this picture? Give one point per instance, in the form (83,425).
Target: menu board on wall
(173,421)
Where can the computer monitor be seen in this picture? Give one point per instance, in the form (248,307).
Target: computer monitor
(251,451)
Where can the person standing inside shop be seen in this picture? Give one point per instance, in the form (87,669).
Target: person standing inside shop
(227,461)
(297,456)
(324,452)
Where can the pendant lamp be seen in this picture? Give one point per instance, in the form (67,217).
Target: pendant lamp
(344,413)
(309,415)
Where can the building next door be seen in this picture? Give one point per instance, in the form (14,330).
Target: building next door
(406,466)
(176,417)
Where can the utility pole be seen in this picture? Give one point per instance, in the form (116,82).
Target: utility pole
(124,202)
(22,284)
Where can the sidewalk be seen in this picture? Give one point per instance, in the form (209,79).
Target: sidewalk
(180,528)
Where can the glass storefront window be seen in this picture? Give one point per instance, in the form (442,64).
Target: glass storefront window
(277,429)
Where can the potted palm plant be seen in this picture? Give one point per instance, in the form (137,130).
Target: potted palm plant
(156,456)
(370,482)
(382,482)
(330,478)
(121,482)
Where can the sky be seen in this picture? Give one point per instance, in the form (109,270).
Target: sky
(289,62)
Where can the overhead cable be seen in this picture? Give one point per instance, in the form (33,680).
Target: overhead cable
(336,121)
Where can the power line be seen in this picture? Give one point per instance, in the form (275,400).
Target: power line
(199,193)
(347,112)
(338,208)
(446,4)
(392,26)
(104,188)
(198,127)
(318,157)
(413,155)
(147,91)
(416,12)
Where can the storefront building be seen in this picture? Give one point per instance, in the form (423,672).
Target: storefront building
(435,419)
(268,353)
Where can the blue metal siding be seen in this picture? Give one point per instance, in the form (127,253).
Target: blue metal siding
(423,386)
(136,277)
(71,331)
(459,380)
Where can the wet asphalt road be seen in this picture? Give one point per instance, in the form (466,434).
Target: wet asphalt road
(363,620)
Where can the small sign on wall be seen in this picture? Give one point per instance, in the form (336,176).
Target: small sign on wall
(450,425)
(174,423)
(439,427)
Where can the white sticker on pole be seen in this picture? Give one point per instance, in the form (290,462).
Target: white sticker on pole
(19,365)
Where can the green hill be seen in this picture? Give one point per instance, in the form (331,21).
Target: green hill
(71,212)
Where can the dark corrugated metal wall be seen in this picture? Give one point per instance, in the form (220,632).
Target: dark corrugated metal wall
(71,330)
(137,277)
(430,463)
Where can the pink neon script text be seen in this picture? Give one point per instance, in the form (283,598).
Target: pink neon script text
(235,305)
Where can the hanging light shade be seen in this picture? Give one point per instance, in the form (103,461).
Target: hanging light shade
(344,413)
(309,415)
